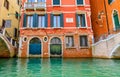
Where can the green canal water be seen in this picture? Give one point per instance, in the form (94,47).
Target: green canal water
(58,67)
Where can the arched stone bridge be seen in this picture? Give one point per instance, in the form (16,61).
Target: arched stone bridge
(6,48)
(107,48)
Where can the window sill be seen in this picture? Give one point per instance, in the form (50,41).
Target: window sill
(34,28)
(80,5)
(57,27)
(70,47)
(82,27)
(56,5)
(84,47)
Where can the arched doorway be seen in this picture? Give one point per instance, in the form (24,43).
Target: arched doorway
(55,47)
(35,46)
(116,20)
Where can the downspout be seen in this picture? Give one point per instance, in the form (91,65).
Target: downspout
(106,18)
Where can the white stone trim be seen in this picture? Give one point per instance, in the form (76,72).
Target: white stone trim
(29,42)
(50,41)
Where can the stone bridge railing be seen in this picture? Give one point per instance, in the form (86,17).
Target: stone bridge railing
(9,45)
(107,48)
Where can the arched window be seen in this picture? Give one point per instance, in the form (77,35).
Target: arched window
(116,20)
(110,1)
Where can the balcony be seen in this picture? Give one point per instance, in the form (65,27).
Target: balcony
(35,6)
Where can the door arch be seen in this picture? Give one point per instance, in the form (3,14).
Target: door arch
(55,46)
(35,46)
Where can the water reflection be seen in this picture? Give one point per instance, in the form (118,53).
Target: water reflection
(58,67)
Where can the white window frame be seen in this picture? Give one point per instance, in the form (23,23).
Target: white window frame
(29,26)
(41,26)
(66,41)
(85,21)
(56,5)
(88,45)
(80,4)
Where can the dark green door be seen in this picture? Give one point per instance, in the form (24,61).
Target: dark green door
(35,46)
(55,46)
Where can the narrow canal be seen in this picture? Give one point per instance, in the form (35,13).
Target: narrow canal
(57,67)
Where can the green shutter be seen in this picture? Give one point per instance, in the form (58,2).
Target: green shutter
(116,20)
(61,20)
(77,25)
(35,20)
(46,20)
(83,20)
(51,20)
(25,21)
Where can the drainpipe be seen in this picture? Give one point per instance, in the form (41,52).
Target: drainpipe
(106,17)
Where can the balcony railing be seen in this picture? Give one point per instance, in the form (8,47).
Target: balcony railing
(35,5)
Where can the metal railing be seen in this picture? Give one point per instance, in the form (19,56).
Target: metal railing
(35,5)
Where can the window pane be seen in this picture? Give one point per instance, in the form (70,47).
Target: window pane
(31,0)
(41,21)
(81,20)
(58,21)
(69,41)
(56,2)
(7,23)
(83,41)
(30,21)
(79,2)
(54,21)
(41,0)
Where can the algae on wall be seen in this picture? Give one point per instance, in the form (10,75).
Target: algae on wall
(4,51)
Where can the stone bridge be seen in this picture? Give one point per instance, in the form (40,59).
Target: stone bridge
(107,48)
(6,48)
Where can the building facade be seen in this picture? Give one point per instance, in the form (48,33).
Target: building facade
(54,28)
(105,18)
(9,19)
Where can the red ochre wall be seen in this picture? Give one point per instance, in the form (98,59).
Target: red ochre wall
(101,27)
(69,9)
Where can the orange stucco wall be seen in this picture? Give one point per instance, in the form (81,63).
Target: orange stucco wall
(105,25)
(69,9)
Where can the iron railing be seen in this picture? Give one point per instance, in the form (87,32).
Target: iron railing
(35,5)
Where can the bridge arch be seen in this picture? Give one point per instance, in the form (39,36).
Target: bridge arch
(115,52)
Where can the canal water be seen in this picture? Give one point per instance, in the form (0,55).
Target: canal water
(58,67)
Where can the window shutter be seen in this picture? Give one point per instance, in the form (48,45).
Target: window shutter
(61,20)
(77,25)
(15,32)
(35,20)
(51,18)
(46,20)
(116,20)
(25,21)
(83,20)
